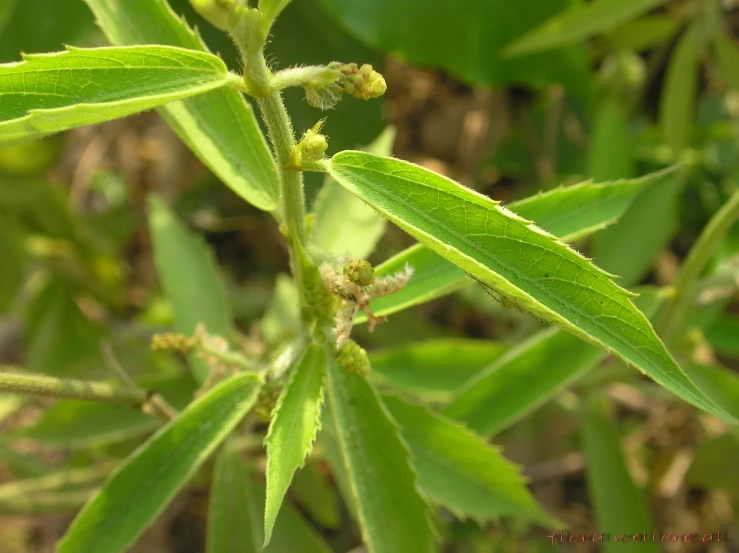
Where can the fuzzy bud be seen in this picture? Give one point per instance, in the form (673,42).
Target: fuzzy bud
(354,359)
(311,148)
(268,396)
(323,91)
(359,272)
(362,82)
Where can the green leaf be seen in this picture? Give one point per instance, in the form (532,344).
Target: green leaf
(48,93)
(569,213)
(727,54)
(189,277)
(34,26)
(13,254)
(460,471)
(138,492)
(523,379)
(392,515)
(433,370)
(578,23)
(515,259)
(677,104)
(296,420)
(314,492)
(465,39)
(344,223)
(620,506)
(232,512)
(718,383)
(723,335)
(220,126)
(611,155)
(654,213)
(643,34)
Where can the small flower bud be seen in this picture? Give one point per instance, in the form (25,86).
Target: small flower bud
(359,272)
(173,342)
(268,396)
(311,148)
(354,359)
(362,82)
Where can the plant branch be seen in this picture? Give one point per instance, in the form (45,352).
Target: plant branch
(60,388)
(671,319)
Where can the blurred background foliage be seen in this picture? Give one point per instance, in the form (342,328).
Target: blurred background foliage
(509,98)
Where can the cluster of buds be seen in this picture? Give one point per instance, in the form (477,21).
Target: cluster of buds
(324,90)
(169,341)
(354,359)
(311,148)
(356,285)
(268,396)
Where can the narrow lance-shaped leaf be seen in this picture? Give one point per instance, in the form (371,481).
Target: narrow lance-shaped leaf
(620,506)
(392,515)
(580,22)
(48,93)
(295,423)
(189,277)
(460,471)
(220,126)
(232,513)
(569,213)
(677,103)
(515,259)
(138,491)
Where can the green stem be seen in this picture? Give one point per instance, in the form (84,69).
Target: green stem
(280,131)
(671,318)
(62,388)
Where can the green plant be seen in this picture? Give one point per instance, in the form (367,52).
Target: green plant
(395,460)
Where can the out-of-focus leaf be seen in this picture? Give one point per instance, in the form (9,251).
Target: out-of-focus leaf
(718,383)
(316,495)
(677,104)
(620,506)
(465,38)
(71,423)
(137,492)
(579,22)
(723,335)
(232,510)
(220,126)
(293,429)
(622,249)
(36,26)
(381,479)
(48,93)
(516,260)
(727,53)
(611,155)
(39,206)
(523,379)
(433,370)
(345,224)
(529,375)
(459,470)
(13,254)
(644,33)
(189,276)
(282,318)
(569,213)
(714,465)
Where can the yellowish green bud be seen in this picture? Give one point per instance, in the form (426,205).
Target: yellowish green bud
(354,359)
(359,272)
(362,82)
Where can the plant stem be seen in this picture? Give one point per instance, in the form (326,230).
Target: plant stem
(280,131)
(671,319)
(46,386)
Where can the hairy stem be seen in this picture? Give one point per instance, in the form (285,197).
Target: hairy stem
(280,131)
(672,317)
(60,388)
